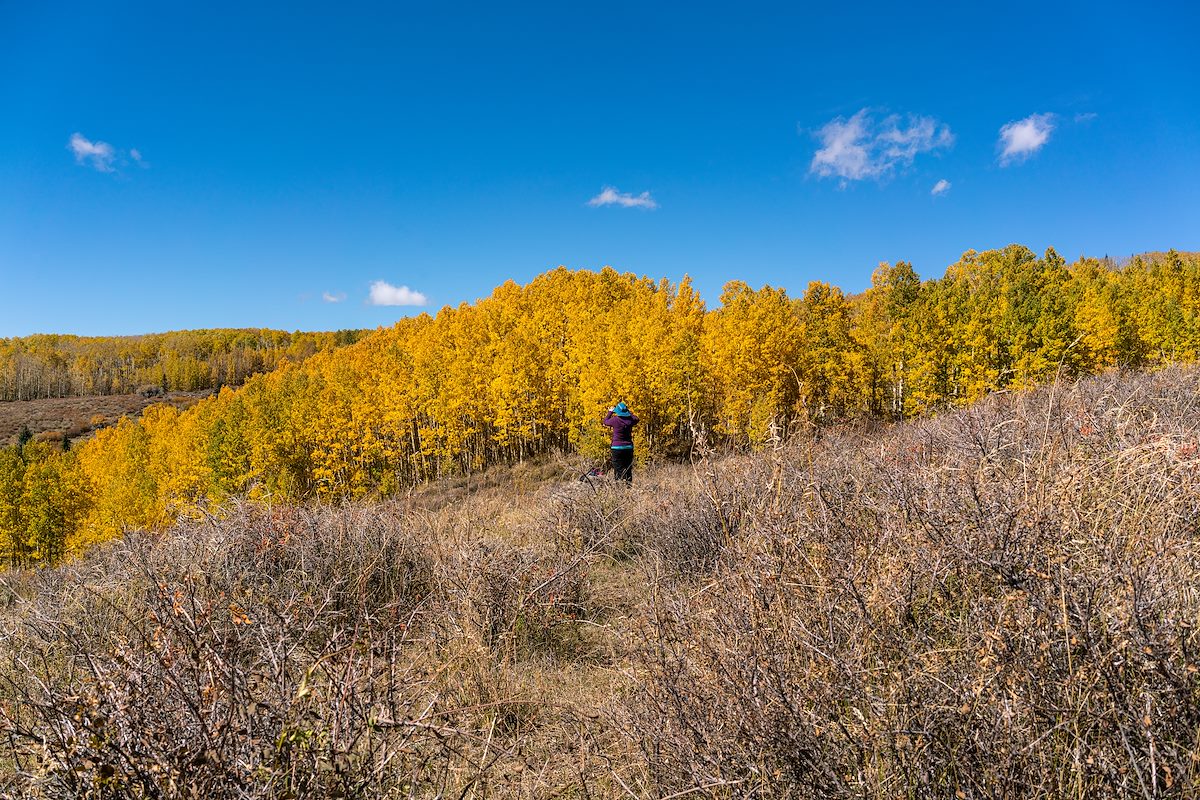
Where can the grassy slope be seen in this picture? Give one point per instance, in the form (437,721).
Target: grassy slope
(53,418)
(998,602)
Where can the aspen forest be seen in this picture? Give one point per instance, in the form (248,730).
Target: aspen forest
(530,369)
(53,365)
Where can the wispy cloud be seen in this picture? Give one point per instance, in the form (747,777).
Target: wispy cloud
(860,147)
(102,156)
(98,155)
(1021,139)
(610,196)
(332,297)
(1086,116)
(384,294)
(941,187)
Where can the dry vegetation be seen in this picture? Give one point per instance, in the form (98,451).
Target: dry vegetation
(999,602)
(53,419)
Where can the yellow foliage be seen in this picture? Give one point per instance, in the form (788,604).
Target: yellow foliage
(531,369)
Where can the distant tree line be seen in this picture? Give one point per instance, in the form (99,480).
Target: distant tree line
(530,369)
(52,365)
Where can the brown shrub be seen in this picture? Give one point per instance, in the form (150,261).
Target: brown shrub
(996,603)
(999,602)
(274,653)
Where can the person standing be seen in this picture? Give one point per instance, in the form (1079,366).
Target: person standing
(621,420)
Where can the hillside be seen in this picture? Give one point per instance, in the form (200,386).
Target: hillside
(58,365)
(74,418)
(528,372)
(996,602)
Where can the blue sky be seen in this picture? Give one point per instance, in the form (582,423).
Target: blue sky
(170,165)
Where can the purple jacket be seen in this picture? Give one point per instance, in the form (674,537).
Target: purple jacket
(622,429)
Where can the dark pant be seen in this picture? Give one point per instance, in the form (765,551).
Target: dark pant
(622,461)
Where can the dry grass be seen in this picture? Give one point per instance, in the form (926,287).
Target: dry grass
(1001,602)
(74,418)
(997,603)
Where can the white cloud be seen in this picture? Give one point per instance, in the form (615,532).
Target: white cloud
(330,297)
(1021,139)
(1086,116)
(846,149)
(102,156)
(98,155)
(610,196)
(858,148)
(902,145)
(384,294)
(941,187)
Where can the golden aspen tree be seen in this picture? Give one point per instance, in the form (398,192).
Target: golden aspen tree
(928,350)
(595,332)
(393,393)
(53,503)
(504,353)
(175,458)
(640,359)
(751,347)
(1189,268)
(226,449)
(116,466)
(1096,314)
(829,362)
(42,509)
(1158,288)
(551,317)
(1037,328)
(276,402)
(727,352)
(881,326)
(975,305)
(667,327)
(687,313)
(16,549)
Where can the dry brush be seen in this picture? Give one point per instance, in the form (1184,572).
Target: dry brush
(997,602)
